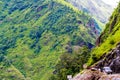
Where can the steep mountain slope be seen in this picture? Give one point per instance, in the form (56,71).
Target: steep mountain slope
(110,60)
(35,33)
(109,37)
(106,54)
(97,8)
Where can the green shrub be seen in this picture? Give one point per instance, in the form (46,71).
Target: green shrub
(112,42)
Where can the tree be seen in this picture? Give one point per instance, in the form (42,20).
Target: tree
(69,64)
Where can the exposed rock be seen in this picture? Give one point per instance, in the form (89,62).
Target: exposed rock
(110,77)
(98,41)
(1,21)
(111,59)
(41,7)
(115,65)
(79,22)
(94,26)
(95,72)
(89,75)
(76,49)
(96,75)
(69,49)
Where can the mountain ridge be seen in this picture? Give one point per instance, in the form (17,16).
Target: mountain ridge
(106,53)
(97,9)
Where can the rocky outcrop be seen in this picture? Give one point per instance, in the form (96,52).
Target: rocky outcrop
(98,41)
(96,75)
(111,59)
(94,26)
(110,77)
(89,75)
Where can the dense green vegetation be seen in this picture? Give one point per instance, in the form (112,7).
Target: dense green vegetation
(70,64)
(35,33)
(108,38)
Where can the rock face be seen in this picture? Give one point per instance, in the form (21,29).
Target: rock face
(96,75)
(111,59)
(110,77)
(98,41)
(89,75)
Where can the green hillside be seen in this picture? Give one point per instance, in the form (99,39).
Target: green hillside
(96,8)
(108,38)
(34,33)
(106,54)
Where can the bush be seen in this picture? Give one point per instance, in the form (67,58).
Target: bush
(112,42)
(94,58)
(1,57)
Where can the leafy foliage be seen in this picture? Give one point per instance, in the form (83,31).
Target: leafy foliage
(34,33)
(70,64)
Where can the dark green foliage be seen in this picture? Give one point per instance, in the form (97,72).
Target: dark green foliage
(70,64)
(76,40)
(112,42)
(95,58)
(1,57)
(7,43)
(34,33)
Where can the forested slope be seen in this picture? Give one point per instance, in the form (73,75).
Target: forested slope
(34,33)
